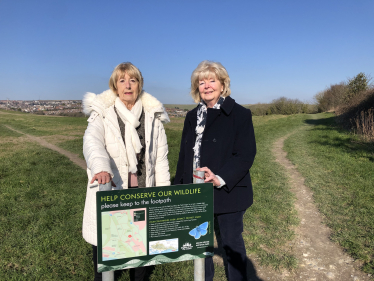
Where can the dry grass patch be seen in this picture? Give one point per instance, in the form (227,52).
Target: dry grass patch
(10,145)
(56,139)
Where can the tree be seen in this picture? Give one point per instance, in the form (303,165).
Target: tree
(357,84)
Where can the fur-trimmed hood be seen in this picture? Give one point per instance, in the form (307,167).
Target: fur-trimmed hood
(99,103)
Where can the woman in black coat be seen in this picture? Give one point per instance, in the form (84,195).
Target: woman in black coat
(218,138)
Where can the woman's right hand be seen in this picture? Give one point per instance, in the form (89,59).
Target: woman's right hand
(102,178)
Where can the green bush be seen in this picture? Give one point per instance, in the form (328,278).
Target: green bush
(357,84)
(260,109)
(331,98)
(341,94)
(287,106)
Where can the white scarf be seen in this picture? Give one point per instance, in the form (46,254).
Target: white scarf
(131,120)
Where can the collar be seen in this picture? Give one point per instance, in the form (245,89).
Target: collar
(100,103)
(228,105)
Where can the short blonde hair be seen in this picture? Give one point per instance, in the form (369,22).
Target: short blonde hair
(120,71)
(204,70)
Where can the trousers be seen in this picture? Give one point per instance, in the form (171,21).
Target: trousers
(231,228)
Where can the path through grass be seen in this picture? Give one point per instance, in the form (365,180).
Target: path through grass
(338,167)
(47,206)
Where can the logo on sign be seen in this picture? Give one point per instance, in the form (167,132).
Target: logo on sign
(186,246)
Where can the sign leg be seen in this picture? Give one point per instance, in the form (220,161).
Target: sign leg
(199,270)
(199,264)
(108,275)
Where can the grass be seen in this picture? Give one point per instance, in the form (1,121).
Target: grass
(338,167)
(42,196)
(5,132)
(270,220)
(74,145)
(39,125)
(181,106)
(41,203)
(39,179)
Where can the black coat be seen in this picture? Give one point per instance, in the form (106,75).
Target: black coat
(228,148)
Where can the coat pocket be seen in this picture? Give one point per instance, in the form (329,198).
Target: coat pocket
(113,150)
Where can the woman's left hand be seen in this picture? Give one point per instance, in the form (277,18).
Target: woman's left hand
(210,176)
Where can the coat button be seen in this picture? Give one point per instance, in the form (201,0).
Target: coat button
(141,137)
(139,173)
(141,161)
(143,149)
(214,140)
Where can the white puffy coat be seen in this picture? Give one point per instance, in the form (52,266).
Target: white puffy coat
(104,149)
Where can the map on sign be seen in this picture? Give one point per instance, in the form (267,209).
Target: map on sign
(124,234)
(163,246)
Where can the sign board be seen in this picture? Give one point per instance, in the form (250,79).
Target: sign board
(147,226)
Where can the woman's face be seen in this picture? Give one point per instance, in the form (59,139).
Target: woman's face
(210,90)
(127,89)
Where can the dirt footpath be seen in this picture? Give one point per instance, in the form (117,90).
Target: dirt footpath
(73,157)
(319,258)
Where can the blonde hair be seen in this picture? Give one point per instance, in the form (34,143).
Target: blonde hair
(120,71)
(206,69)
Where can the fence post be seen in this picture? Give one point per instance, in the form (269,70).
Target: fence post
(107,275)
(199,264)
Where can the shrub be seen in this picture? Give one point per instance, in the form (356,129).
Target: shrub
(282,106)
(331,98)
(357,113)
(287,106)
(260,109)
(357,84)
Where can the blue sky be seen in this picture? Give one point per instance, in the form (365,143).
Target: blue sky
(62,49)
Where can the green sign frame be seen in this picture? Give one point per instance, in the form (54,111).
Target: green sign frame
(147,226)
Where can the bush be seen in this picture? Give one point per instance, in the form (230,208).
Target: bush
(260,109)
(357,113)
(357,84)
(287,106)
(331,98)
(282,106)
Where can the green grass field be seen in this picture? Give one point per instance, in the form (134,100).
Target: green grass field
(338,167)
(42,196)
(181,106)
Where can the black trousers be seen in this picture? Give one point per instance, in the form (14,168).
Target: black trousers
(231,228)
(136,274)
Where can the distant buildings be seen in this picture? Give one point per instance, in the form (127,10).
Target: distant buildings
(176,112)
(62,107)
(47,107)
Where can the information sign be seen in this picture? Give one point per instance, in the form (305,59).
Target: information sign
(147,226)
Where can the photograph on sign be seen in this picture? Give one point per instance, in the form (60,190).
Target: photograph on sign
(148,226)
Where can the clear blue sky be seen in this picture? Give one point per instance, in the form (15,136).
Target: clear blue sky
(62,49)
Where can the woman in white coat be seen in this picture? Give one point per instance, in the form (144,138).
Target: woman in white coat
(125,143)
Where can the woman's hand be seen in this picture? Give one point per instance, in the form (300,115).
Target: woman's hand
(102,178)
(210,176)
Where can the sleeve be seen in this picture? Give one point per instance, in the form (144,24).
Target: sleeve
(94,151)
(221,182)
(180,166)
(241,160)
(162,174)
